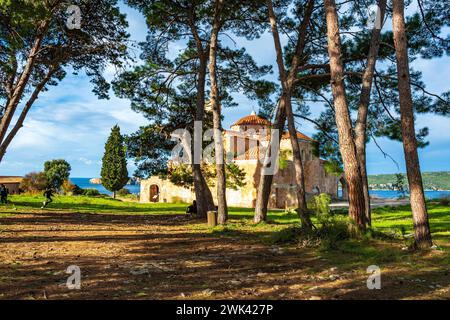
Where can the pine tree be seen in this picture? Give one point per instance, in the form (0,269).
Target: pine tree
(422,233)
(114,167)
(37,50)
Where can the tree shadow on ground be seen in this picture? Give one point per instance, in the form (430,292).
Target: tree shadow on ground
(55,218)
(159,257)
(104,208)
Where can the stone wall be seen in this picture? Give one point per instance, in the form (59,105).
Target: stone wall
(168,192)
(283,192)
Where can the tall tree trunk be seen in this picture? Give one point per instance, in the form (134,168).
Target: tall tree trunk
(265,180)
(216,107)
(19,123)
(344,188)
(203,194)
(19,88)
(363,108)
(343,122)
(422,234)
(302,209)
(287,81)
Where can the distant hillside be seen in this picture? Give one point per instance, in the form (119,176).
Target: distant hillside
(431,180)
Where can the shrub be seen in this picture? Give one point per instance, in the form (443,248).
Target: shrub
(444,201)
(34,182)
(91,192)
(322,204)
(57,172)
(68,187)
(330,231)
(291,211)
(123,192)
(287,235)
(177,200)
(77,191)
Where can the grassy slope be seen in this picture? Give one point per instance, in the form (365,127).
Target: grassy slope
(384,219)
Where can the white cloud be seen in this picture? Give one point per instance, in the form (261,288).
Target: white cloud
(85,161)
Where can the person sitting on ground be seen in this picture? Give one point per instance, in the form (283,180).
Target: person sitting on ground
(48,193)
(192,209)
(3,194)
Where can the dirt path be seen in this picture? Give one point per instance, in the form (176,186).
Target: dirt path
(159,257)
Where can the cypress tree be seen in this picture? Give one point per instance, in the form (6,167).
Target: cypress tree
(114,164)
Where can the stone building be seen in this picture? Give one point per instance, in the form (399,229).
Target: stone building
(245,143)
(12,183)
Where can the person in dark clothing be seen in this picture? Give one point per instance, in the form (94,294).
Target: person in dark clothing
(3,194)
(48,194)
(192,209)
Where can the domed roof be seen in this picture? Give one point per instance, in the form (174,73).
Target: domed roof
(252,119)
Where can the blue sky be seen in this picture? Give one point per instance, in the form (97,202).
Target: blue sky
(69,122)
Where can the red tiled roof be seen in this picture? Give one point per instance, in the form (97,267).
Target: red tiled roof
(299,136)
(252,119)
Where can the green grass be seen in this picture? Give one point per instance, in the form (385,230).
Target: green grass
(115,206)
(95,205)
(385,219)
(398,218)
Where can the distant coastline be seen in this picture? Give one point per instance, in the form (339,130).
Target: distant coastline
(393,194)
(428,190)
(432,181)
(132,181)
(85,183)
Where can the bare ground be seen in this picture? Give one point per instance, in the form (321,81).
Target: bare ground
(162,257)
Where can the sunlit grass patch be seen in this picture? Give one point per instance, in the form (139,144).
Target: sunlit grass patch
(388,220)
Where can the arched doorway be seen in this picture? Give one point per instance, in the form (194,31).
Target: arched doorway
(154,193)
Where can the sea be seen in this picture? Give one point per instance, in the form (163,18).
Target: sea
(135,189)
(392,194)
(85,184)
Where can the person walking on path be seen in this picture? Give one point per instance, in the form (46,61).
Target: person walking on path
(3,194)
(48,194)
